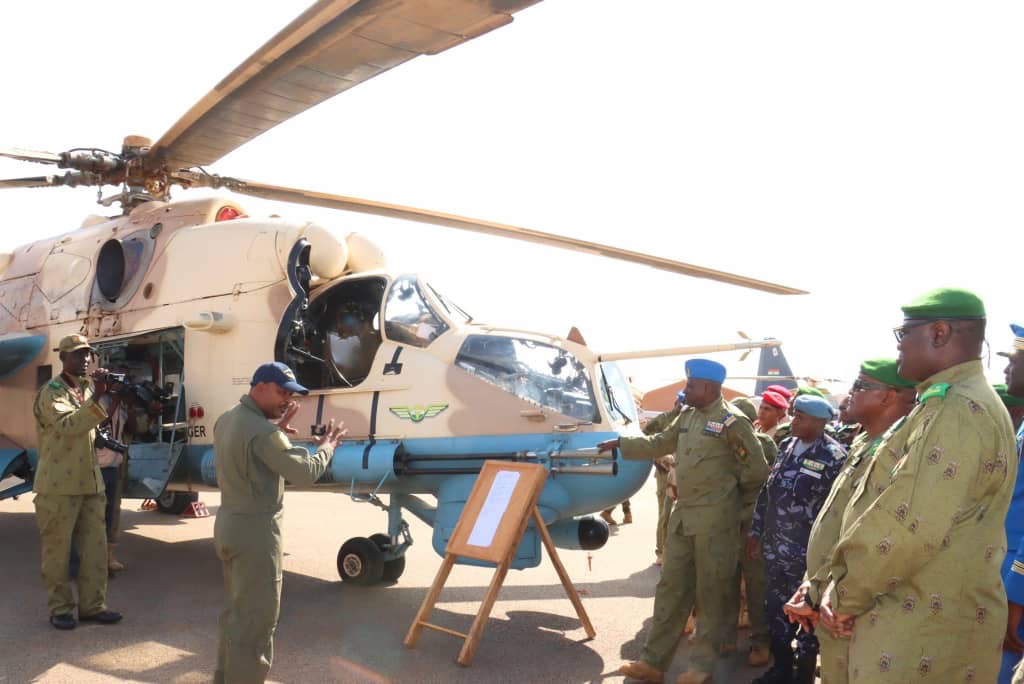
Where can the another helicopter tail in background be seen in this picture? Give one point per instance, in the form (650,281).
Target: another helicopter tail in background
(773,369)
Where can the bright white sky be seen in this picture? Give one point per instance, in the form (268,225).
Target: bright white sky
(867,152)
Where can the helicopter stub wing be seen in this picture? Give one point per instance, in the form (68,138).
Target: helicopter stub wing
(332,46)
(364,206)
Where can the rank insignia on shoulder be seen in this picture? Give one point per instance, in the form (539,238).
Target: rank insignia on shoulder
(714,427)
(939,389)
(55,384)
(728,420)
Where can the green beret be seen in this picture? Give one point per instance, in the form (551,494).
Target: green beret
(945,302)
(810,390)
(1008,399)
(747,406)
(884,370)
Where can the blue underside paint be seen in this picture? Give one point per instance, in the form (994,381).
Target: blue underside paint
(18,352)
(362,466)
(15,463)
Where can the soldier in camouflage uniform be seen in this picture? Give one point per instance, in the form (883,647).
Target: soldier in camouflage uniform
(879,399)
(718,462)
(664,469)
(801,478)
(70,499)
(916,569)
(846,428)
(750,571)
(773,410)
(253,458)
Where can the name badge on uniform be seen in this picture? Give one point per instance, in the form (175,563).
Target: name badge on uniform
(715,428)
(812,468)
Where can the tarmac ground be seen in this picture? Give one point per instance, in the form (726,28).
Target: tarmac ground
(329,631)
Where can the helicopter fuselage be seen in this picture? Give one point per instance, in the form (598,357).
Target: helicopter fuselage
(188,298)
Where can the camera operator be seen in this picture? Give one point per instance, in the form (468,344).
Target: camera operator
(69,488)
(112,440)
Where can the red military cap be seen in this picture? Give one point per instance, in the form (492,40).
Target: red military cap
(779,389)
(775,399)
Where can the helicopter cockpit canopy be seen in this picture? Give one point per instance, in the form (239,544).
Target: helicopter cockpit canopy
(543,374)
(408,316)
(334,341)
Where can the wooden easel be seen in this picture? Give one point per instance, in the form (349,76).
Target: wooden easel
(491,527)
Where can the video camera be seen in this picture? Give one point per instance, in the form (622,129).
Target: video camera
(105,441)
(144,394)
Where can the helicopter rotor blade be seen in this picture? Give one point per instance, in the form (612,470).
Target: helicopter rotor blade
(332,46)
(363,206)
(71,179)
(687,351)
(30,156)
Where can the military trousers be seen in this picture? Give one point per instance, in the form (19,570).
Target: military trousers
(64,519)
(698,570)
(752,572)
(249,548)
(835,657)
(785,575)
(664,510)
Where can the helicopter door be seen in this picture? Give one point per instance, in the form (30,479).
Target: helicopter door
(153,391)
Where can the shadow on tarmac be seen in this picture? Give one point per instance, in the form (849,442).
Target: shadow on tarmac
(171,597)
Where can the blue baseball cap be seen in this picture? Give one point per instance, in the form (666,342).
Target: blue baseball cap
(814,406)
(705,369)
(279,374)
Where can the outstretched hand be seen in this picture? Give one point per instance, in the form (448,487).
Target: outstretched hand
(286,419)
(331,436)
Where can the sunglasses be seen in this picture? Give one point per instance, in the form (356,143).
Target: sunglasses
(901,331)
(861,386)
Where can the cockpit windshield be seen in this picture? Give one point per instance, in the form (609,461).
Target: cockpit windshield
(408,316)
(541,373)
(454,311)
(616,393)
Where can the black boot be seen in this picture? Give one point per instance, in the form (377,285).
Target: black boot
(781,671)
(806,669)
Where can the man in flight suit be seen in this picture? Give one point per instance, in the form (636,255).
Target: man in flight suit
(253,458)
(718,462)
(70,499)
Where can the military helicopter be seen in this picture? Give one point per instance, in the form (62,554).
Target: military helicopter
(189,296)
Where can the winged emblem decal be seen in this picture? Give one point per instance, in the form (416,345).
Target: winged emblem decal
(418,413)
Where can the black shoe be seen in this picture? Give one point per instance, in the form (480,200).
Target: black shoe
(106,617)
(63,621)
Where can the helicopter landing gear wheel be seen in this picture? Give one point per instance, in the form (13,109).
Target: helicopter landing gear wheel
(393,568)
(360,561)
(175,503)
